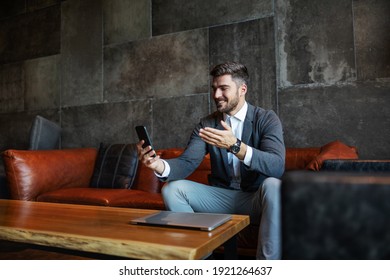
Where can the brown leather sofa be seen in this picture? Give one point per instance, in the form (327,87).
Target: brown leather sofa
(64,176)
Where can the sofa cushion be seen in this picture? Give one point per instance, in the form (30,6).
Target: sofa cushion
(146,180)
(332,150)
(115,167)
(105,197)
(139,199)
(80,195)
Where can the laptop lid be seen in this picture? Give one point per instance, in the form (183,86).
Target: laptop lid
(200,221)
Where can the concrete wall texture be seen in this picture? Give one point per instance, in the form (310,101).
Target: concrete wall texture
(101,67)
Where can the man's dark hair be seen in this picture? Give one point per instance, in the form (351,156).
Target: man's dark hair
(237,70)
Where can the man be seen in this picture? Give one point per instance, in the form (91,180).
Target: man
(247,155)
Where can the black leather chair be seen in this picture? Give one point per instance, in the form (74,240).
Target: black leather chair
(335,216)
(44,134)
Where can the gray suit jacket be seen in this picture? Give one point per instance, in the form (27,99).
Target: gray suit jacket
(262,131)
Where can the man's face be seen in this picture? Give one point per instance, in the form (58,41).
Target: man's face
(228,97)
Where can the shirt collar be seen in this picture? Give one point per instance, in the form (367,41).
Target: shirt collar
(240,115)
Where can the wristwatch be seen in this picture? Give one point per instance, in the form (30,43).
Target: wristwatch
(235,148)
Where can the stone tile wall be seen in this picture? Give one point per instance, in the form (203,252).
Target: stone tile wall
(81,52)
(169,16)
(316,42)
(334,79)
(101,67)
(30,35)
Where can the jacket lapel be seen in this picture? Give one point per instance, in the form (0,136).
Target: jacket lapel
(247,131)
(224,152)
(248,125)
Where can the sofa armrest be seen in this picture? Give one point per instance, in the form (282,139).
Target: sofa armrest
(32,173)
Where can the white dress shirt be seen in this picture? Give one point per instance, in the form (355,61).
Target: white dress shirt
(236,122)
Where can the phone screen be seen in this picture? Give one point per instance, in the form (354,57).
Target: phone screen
(143,134)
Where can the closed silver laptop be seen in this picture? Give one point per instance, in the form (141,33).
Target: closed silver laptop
(200,221)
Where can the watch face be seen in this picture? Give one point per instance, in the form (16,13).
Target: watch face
(235,149)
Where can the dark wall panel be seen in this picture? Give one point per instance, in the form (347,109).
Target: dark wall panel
(251,43)
(30,35)
(33,5)
(11,88)
(175,118)
(9,8)
(317,43)
(372,35)
(87,126)
(81,52)
(14,129)
(125,20)
(170,65)
(176,15)
(42,83)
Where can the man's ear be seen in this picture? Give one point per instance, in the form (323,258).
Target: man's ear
(243,89)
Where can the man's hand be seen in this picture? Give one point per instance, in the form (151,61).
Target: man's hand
(220,138)
(149,158)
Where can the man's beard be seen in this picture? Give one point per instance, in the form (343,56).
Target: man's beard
(230,106)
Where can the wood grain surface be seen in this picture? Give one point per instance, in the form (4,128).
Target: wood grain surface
(107,230)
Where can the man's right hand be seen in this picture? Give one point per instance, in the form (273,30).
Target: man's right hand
(149,158)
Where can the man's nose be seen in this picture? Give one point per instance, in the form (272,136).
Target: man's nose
(217,93)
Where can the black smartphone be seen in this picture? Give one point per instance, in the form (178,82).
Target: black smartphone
(143,134)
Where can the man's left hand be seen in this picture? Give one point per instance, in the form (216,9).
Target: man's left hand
(216,137)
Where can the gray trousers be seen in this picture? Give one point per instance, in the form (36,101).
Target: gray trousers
(263,207)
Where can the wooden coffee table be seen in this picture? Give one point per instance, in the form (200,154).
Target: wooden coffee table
(107,230)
